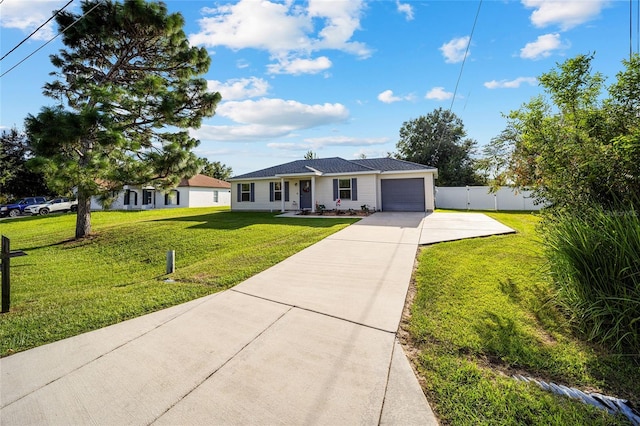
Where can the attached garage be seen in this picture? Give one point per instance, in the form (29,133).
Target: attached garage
(403,195)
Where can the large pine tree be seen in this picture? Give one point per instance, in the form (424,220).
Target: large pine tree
(132,87)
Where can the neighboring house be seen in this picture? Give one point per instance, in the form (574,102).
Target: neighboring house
(380,183)
(199,191)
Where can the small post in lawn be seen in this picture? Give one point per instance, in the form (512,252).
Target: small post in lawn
(5,255)
(171,261)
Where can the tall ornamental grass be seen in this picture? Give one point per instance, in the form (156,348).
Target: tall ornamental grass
(595,263)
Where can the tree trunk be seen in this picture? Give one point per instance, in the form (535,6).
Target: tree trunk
(83,220)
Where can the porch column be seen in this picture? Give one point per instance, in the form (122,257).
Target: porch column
(313,194)
(282,197)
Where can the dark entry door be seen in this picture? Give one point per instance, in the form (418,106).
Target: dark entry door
(305,194)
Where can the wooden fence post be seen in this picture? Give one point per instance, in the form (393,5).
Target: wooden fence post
(5,255)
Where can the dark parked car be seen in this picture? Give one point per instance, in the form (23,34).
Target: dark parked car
(16,208)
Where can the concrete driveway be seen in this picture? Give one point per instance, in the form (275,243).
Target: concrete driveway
(311,340)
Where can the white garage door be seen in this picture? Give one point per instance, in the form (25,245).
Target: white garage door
(403,195)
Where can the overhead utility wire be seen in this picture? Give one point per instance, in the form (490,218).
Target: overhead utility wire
(37,29)
(455,91)
(50,40)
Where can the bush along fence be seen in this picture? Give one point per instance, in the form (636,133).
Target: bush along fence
(481,198)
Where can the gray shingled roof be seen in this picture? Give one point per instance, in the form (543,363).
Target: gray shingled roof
(391,164)
(334,165)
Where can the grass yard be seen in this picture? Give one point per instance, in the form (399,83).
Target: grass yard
(483,310)
(63,287)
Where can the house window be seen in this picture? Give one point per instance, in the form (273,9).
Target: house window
(277,191)
(130,198)
(245,192)
(147,196)
(215,196)
(344,187)
(172,198)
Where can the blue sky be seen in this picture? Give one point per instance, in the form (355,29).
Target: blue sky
(340,77)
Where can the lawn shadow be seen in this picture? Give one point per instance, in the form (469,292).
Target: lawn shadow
(237,220)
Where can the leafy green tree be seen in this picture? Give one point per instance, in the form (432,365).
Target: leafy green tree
(132,89)
(310,155)
(579,150)
(573,148)
(16,179)
(216,170)
(495,164)
(440,140)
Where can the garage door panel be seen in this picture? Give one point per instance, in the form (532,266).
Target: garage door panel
(403,195)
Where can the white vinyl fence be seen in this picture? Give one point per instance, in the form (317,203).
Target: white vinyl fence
(479,198)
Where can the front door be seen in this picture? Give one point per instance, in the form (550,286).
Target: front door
(305,194)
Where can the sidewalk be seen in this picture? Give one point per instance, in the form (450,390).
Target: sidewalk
(308,341)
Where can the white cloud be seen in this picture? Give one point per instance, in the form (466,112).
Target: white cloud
(240,88)
(344,141)
(327,141)
(543,47)
(279,112)
(370,153)
(439,94)
(247,23)
(565,13)
(29,15)
(405,8)
(454,50)
(285,30)
(388,97)
(300,66)
(269,118)
(510,84)
(246,133)
(342,19)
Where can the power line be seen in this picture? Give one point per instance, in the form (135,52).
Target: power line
(464,59)
(50,40)
(36,30)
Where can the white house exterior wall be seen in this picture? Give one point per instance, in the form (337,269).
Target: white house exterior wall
(428,186)
(366,193)
(189,197)
(203,197)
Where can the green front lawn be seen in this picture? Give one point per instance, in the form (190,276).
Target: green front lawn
(63,287)
(484,310)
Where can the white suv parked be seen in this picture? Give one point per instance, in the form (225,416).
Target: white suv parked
(60,204)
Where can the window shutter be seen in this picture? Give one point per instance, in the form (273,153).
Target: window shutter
(177,197)
(286,191)
(239,194)
(166,199)
(135,198)
(271,197)
(335,189)
(354,189)
(252,196)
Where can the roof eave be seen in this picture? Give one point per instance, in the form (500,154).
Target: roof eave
(434,171)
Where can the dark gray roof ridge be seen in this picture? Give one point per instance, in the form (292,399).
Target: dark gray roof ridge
(333,165)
